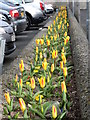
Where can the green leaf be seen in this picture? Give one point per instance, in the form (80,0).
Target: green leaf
(46,108)
(5,111)
(62,115)
(11,104)
(16,116)
(25,114)
(64,96)
(36,111)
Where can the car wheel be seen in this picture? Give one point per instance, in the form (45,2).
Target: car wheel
(28,22)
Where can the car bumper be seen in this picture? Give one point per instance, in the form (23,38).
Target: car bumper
(10,42)
(9,47)
(20,25)
(39,19)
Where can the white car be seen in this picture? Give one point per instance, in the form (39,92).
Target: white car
(48,8)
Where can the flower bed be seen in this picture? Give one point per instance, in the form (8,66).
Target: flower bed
(40,92)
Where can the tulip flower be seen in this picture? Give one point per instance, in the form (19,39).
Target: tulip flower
(54,54)
(65,71)
(37,50)
(41,41)
(64,59)
(63,50)
(51,37)
(37,41)
(65,34)
(63,87)
(16,79)
(42,82)
(54,111)
(44,65)
(32,83)
(22,104)
(61,64)
(37,97)
(28,83)
(52,67)
(48,79)
(7,97)
(20,82)
(54,22)
(62,55)
(21,66)
(40,55)
(48,42)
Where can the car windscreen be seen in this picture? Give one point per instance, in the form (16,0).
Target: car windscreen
(28,1)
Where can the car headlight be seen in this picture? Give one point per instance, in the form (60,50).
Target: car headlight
(2,31)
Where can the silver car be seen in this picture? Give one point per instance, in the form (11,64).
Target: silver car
(6,31)
(34,14)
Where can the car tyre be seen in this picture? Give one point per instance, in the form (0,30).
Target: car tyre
(28,22)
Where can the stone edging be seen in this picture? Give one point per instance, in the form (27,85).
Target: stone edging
(79,44)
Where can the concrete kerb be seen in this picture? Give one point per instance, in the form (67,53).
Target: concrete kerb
(79,44)
(26,55)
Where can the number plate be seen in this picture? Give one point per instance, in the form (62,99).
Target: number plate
(22,14)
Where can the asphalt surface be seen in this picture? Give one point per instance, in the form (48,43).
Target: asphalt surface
(22,40)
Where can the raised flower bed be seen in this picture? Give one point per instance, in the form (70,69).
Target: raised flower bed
(40,92)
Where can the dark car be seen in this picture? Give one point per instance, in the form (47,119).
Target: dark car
(17,13)
(6,31)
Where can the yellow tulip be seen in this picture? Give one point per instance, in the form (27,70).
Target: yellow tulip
(54,22)
(51,37)
(65,34)
(37,50)
(41,41)
(28,83)
(54,54)
(35,71)
(64,59)
(48,79)
(66,40)
(32,83)
(48,42)
(40,55)
(7,97)
(65,71)
(61,64)
(44,65)
(37,97)
(42,82)
(38,67)
(67,24)
(16,79)
(21,66)
(63,87)
(46,37)
(20,82)
(52,67)
(62,55)
(54,111)
(63,50)
(41,108)
(37,41)
(22,104)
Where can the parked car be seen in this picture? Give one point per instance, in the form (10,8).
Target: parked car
(35,14)
(17,13)
(48,8)
(6,31)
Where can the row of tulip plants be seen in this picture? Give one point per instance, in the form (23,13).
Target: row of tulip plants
(40,91)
